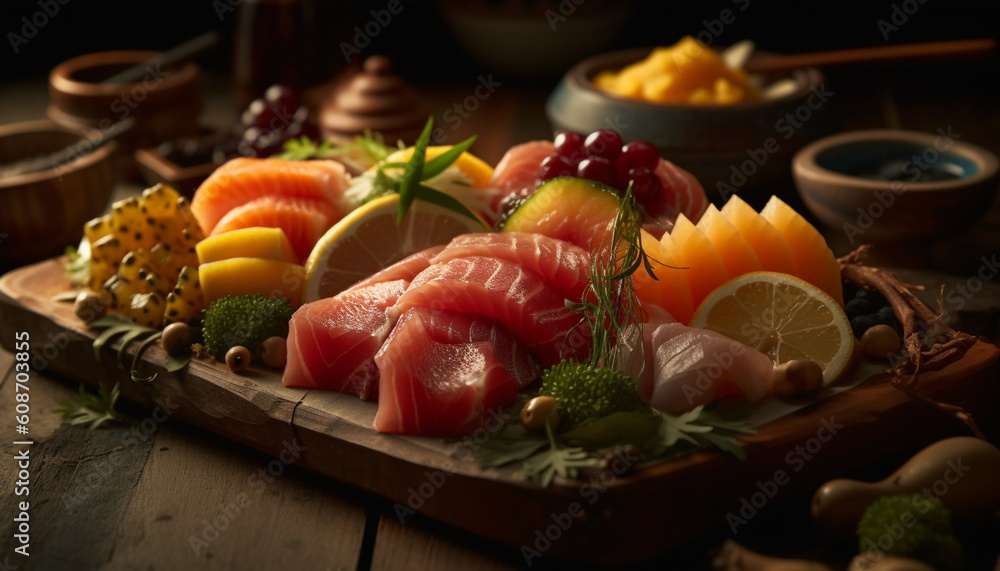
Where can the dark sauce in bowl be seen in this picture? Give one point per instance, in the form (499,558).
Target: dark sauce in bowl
(896,161)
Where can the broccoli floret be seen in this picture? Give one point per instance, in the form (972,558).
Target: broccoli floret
(245,320)
(911,525)
(585,391)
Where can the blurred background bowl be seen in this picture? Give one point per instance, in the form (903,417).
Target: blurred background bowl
(893,186)
(43,212)
(165,102)
(745,147)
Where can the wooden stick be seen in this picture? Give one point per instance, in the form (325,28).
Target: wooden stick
(928,50)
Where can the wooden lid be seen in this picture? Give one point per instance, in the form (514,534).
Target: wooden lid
(376,99)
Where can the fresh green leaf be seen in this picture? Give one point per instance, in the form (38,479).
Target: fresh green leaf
(177,362)
(303,149)
(374,147)
(428,194)
(129,336)
(499,450)
(106,336)
(616,428)
(674,428)
(413,173)
(87,408)
(438,164)
(142,347)
(557,459)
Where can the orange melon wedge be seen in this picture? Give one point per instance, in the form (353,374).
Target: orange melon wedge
(814,260)
(706,270)
(763,237)
(736,252)
(670,289)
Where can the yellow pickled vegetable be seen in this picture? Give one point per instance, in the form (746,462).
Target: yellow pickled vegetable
(687,73)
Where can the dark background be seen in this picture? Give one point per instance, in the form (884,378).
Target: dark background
(423,47)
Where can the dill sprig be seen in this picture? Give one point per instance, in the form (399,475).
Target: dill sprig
(609,304)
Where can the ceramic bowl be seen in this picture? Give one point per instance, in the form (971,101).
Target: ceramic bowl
(891,186)
(730,148)
(165,101)
(43,212)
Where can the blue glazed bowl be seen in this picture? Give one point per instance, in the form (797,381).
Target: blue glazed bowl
(890,186)
(740,148)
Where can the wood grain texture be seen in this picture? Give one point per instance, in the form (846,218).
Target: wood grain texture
(628,512)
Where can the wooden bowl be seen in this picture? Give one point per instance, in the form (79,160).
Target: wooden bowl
(838,180)
(737,148)
(165,102)
(43,212)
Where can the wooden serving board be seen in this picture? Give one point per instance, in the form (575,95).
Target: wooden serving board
(615,519)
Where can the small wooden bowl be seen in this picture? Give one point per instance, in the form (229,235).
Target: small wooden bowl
(833,178)
(165,102)
(43,212)
(740,147)
(184,179)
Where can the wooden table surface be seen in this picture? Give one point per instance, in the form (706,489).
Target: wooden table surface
(145,494)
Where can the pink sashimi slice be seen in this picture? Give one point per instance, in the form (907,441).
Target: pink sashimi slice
(241,180)
(332,342)
(681,194)
(519,298)
(443,372)
(692,367)
(405,269)
(517,170)
(303,220)
(564,265)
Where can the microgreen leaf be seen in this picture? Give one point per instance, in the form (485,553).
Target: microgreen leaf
(499,450)
(77,267)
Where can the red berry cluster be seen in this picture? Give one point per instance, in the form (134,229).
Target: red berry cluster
(601,157)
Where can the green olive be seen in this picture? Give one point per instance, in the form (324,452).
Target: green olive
(90,306)
(797,377)
(880,340)
(535,412)
(238,358)
(274,352)
(176,338)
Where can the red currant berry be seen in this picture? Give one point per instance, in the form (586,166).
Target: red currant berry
(555,165)
(605,143)
(645,184)
(598,169)
(638,154)
(570,145)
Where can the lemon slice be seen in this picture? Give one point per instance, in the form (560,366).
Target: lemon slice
(782,316)
(368,240)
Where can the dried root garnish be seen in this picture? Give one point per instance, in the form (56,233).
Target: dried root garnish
(929,344)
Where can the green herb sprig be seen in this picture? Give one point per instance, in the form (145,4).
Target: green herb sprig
(90,409)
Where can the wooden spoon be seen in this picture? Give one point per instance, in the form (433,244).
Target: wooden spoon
(954,48)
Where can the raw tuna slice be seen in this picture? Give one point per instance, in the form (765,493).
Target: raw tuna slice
(405,269)
(332,342)
(519,298)
(443,372)
(694,366)
(564,265)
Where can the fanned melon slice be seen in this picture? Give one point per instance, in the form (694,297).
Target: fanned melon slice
(670,289)
(706,271)
(763,237)
(814,260)
(737,255)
